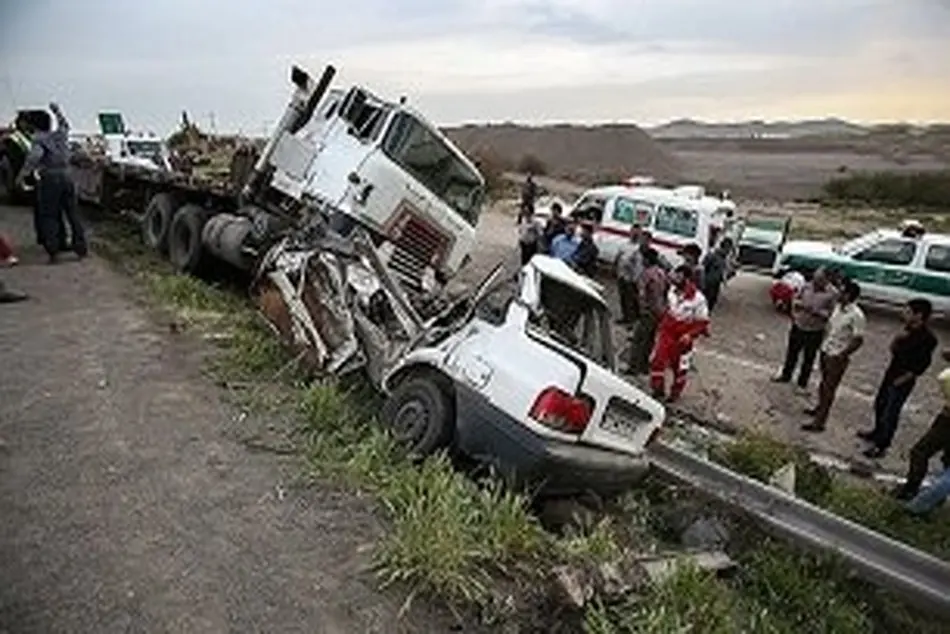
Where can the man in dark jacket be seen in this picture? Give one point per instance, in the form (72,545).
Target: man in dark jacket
(715,266)
(529,194)
(911,354)
(585,257)
(554,227)
(56,191)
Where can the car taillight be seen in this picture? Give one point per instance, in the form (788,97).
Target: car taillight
(559,410)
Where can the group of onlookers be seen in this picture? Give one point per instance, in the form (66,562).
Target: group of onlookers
(561,238)
(828,325)
(667,310)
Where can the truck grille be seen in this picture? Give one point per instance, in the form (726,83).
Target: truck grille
(623,418)
(417,243)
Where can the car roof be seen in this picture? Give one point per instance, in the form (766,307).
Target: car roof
(660,195)
(556,269)
(927,238)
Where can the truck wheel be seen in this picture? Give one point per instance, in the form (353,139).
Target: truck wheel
(157,221)
(420,416)
(184,238)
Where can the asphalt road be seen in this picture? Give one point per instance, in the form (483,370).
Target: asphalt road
(126,506)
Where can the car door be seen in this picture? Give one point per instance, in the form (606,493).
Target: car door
(932,277)
(884,269)
(760,241)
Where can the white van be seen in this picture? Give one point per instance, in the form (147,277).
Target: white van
(675,217)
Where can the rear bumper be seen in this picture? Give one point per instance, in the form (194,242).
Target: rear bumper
(525,458)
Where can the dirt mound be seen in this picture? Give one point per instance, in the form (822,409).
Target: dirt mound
(577,153)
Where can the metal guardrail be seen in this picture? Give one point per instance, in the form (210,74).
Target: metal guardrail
(922,579)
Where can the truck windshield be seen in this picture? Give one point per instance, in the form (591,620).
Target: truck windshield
(575,320)
(435,164)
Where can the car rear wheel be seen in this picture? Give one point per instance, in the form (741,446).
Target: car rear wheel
(419,414)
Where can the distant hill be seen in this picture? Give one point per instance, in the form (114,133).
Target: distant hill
(692,129)
(583,154)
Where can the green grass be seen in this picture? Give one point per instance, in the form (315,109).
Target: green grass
(448,537)
(462,542)
(758,456)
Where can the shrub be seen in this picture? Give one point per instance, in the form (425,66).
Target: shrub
(531,163)
(930,190)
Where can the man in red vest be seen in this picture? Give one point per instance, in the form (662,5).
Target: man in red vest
(686,317)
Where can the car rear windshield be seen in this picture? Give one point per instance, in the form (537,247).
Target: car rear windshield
(574,319)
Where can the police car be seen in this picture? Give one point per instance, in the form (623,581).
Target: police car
(892,266)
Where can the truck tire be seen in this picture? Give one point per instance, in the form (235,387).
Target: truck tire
(420,416)
(185,250)
(158,221)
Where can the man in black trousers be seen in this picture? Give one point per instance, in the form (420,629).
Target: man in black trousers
(911,354)
(56,191)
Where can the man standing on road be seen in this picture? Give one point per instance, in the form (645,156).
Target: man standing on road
(715,266)
(936,439)
(911,354)
(844,336)
(529,235)
(554,227)
(585,256)
(811,309)
(56,191)
(685,318)
(529,194)
(652,288)
(629,268)
(564,245)
(691,254)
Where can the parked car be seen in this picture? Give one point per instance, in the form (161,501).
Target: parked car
(891,266)
(529,387)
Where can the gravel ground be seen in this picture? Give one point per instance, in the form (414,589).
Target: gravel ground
(747,346)
(128,506)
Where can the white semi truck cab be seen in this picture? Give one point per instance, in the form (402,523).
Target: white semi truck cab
(376,164)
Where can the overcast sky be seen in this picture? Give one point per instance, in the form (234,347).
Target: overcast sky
(536,61)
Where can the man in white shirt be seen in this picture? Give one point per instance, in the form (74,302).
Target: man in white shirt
(843,337)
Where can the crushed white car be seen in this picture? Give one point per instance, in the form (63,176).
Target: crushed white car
(525,383)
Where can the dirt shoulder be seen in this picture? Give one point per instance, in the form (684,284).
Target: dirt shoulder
(126,503)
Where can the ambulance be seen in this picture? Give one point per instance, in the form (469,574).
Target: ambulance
(675,217)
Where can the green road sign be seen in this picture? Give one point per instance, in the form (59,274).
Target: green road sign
(111,123)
